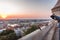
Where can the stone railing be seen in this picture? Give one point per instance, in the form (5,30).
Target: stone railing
(38,34)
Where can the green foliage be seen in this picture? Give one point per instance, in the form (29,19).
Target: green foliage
(8,35)
(12,36)
(3,38)
(33,28)
(6,32)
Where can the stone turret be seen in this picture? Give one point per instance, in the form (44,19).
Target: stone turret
(56,9)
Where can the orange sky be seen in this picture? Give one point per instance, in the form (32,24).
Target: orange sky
(33,15)
(26,9)
(27,15)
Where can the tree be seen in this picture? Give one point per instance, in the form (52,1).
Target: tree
(8,35)
(33,28)
(6,32)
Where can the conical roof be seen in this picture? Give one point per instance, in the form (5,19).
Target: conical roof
(58,4)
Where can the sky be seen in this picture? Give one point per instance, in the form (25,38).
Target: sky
(26,8)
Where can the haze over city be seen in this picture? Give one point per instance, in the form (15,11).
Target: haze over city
(26,8)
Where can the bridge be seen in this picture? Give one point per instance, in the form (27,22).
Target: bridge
(50,32)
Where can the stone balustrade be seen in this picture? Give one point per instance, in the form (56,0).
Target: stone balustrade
(38,34)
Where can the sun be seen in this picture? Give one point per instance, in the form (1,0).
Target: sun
(8,8)
(4,16)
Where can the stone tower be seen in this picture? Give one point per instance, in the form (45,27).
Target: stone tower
(56,9)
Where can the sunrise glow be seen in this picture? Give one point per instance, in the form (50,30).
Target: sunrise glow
(7,8)
(25,9)
(4,16)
